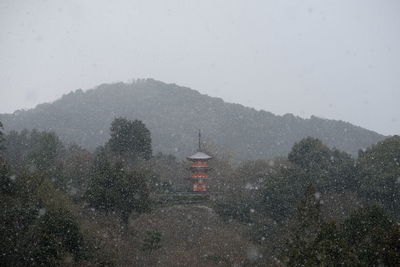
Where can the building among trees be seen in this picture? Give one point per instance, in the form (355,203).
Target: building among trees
(199,169)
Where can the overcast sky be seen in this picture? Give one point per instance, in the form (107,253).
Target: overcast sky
(335,59)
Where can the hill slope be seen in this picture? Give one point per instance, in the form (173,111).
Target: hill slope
(173,114)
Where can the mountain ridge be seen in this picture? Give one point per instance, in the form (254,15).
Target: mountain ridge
(174,114)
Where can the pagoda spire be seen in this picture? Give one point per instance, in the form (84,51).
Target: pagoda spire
(199,140)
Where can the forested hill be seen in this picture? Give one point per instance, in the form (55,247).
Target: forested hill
(174,114)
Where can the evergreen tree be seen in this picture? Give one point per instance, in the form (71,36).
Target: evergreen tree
(36,227)
(46,147)
(1,136)
(309,212)
(112,187)
(151,241)
(7,186)
(379,168)
(76,163)
(130,138)
(310,162)
(34,150)
(373,237)
(308,224)
(326,168)
(367,238)
(101,182)
(309,152)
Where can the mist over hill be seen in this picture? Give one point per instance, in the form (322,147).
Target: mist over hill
(174,114)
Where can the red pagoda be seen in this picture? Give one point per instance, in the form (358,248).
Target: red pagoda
(199,169)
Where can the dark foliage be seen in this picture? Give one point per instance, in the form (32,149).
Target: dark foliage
(324,167)
(274,202)
(34,150)
(367,238)
(311,163)
(112,187)
(130,138)
(151,241)
(1,136)
(36,228)
(379,168)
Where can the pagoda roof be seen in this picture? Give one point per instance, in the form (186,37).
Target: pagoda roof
(199,155)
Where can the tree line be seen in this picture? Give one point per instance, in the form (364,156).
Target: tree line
(316,207)
(319,206)
(42,182)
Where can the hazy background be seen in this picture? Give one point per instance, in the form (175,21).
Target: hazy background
(333,59)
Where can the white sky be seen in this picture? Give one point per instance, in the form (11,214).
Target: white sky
(335,59)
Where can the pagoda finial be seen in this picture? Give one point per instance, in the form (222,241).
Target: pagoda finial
(199,140)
